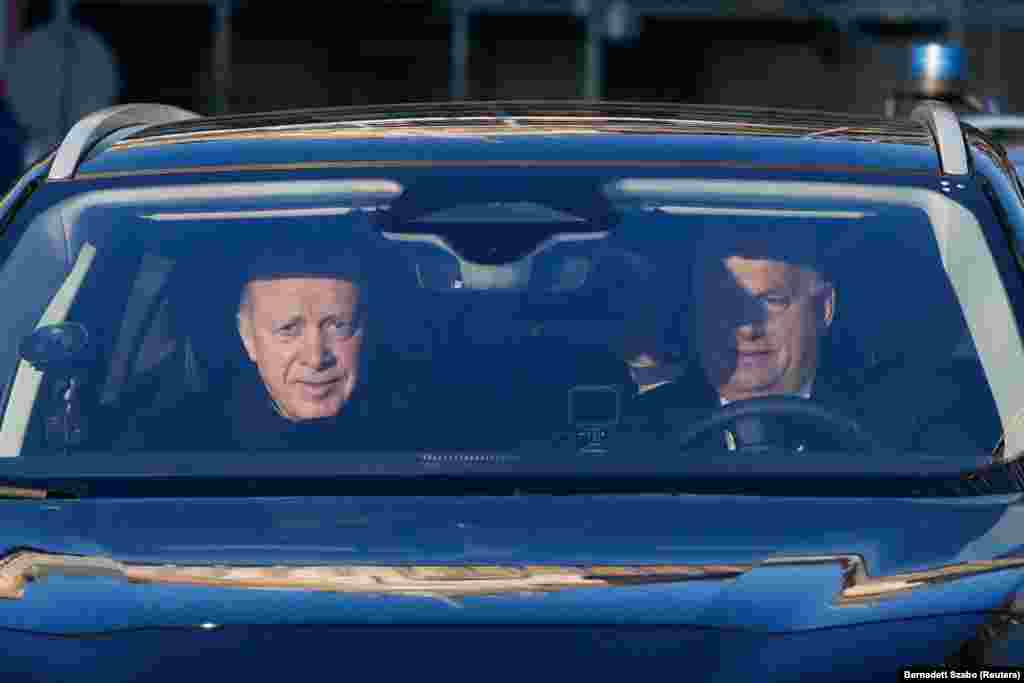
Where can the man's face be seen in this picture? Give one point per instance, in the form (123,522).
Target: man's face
(296,332)
(758,324)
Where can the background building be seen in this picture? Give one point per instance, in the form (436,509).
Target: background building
(250,55)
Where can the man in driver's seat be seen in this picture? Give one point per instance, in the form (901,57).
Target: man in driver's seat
(762,311)
(761,308)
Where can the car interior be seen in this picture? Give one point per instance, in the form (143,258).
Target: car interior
(493,362)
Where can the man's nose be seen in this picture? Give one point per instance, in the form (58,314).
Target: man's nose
(315,352)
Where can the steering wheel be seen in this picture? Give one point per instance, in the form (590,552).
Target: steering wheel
(845,430)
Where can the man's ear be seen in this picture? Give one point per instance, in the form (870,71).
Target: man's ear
(245,332)
(828,308)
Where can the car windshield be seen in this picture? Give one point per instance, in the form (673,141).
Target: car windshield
(645,319)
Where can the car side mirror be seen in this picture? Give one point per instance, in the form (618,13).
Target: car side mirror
(57,348)
(60,351)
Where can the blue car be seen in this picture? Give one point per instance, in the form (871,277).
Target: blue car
(532,389)
(1006,129)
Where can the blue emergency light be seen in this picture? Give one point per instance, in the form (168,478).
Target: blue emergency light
(937,68)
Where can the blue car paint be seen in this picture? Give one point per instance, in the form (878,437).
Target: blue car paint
(892,536)
(773,600)
(774,623)
(533,652)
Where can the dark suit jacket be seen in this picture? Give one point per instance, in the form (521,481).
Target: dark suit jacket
(242,417)
(919,409)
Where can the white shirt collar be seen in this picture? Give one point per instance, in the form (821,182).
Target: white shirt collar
(805,392)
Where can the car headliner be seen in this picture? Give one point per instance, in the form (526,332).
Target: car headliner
(530,133)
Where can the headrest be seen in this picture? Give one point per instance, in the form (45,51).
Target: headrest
(894,301)
(203,300)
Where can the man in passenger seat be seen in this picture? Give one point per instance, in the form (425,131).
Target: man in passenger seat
(304,333)
(639,297)
(303,322)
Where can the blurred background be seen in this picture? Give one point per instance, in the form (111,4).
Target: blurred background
(64,58)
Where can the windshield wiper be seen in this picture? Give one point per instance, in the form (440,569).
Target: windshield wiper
(221,474)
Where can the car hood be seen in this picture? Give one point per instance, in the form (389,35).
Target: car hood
(707,581)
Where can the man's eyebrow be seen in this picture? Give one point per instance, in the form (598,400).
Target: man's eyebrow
(783,291)
(283,321)
(341,312)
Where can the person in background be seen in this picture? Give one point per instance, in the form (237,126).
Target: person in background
(639,296)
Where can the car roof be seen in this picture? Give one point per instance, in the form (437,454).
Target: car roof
(497,133)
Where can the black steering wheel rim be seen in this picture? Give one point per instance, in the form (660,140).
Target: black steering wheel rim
(846,429)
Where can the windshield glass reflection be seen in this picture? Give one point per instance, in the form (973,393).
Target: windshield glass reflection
(572,322)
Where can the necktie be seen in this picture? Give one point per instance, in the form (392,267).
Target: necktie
(754,432)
